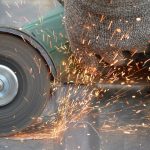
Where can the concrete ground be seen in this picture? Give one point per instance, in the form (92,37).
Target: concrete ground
(126,133)
(115,127)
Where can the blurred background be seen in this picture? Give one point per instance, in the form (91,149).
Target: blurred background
(18,12)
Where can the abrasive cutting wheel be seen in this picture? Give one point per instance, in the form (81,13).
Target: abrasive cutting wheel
(24,84)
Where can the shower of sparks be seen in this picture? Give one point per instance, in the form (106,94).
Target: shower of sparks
(98,79)
(78,102)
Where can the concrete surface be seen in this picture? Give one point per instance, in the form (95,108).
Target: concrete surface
(89,134)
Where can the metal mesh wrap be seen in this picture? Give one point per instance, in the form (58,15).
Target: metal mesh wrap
(108,27)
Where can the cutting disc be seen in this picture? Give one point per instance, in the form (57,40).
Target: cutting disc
(24,84)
